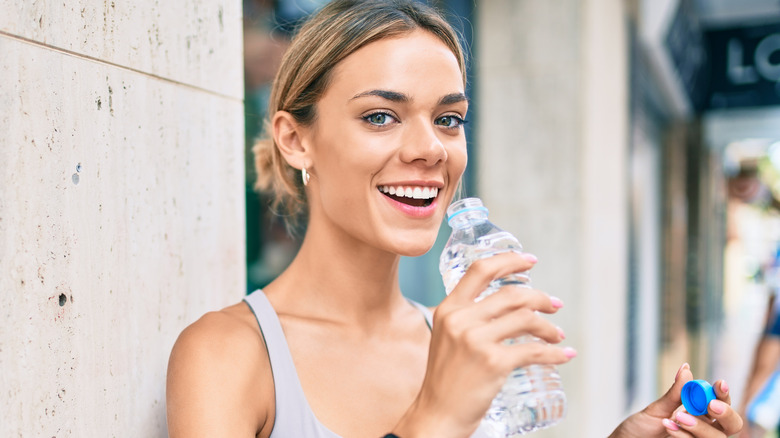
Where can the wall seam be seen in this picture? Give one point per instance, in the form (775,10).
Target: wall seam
(115,65)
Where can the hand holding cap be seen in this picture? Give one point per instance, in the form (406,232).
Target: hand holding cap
(696,396)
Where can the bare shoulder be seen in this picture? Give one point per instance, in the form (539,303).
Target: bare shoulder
(222,329)
(219,377)
(223,338)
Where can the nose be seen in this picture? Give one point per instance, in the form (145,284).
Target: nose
(421,144)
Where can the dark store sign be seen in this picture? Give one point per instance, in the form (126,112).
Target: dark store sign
(744,66)
(685,45)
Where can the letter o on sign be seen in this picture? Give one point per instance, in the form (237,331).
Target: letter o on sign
(764,51)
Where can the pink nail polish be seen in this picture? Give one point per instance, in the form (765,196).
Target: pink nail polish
(686,419)
(569,352)
(669,424)
(717,406)
(724,387)
(530,257)
(561,333)
(556,302)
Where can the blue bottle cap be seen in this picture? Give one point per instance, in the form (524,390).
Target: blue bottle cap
(696,396)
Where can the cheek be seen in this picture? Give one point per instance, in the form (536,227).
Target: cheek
(457,158)
(344,182)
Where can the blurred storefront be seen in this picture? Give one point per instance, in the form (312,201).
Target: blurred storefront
(704,118)
(715,65)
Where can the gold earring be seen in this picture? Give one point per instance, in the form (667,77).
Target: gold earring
(305,176)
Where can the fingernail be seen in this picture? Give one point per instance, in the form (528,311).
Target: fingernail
(556,302)
(717,406)
(530,257)
(569,352)
(682,367)
(724,387)
(669,424)
(686,419)
(561,333)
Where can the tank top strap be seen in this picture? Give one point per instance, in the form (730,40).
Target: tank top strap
(427,314)
(294,417)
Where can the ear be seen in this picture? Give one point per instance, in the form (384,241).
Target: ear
(290,139)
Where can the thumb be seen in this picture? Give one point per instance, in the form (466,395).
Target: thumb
(665,406)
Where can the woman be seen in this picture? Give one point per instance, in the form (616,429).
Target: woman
(367,129)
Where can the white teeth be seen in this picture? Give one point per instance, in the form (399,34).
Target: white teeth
(411,192)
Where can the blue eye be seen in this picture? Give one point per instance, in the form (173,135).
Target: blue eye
(450,121)
(379,119)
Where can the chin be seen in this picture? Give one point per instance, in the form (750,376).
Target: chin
(415,253)
(414,247)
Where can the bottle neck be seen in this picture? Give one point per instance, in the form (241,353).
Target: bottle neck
(466,212)
(468,217)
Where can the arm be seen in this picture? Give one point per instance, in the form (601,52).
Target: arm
(766,357)
(766,360)
(213,377)
(665,417)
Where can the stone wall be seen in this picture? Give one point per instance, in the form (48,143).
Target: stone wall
(121,203)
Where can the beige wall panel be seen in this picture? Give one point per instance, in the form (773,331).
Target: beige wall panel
(121,221)
(197,42)
(551,170)
(529,130)
(530,153)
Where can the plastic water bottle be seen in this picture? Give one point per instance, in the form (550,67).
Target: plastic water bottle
(532,397)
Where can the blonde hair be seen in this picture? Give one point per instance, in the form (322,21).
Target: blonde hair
(340,28)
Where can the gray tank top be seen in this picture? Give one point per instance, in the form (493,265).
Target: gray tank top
(294,417)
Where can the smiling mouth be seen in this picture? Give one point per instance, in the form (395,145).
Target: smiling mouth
(414,196)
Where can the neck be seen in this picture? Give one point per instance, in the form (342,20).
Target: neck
(336,277)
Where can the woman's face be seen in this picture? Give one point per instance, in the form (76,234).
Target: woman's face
(387,146)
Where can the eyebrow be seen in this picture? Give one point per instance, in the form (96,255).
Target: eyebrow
(395,96)
(453,98)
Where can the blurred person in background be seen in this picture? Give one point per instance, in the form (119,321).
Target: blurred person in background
(750,189)
(761,402)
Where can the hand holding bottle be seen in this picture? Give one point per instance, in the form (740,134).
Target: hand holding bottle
(469,361)
(532,397)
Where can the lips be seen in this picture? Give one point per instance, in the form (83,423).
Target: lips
(415,196)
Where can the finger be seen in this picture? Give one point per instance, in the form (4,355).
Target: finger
(483,271)
(515,297)
(674,430)
(510,298)
(537,353)
(700,427)
(722,391)
(670,401)
(489,322)
(728,419)
(521,322)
